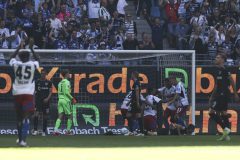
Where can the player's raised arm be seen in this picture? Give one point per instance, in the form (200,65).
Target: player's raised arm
(31,43)
(17,50)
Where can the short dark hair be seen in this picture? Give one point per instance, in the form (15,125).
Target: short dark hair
(24,56)
(223,56)
(64,72)
(172,77)
(166,79)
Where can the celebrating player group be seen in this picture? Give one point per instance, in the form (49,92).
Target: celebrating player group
(145,115)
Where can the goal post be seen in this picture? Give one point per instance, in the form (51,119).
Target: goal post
(109,62)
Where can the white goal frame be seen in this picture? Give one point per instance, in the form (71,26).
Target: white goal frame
(157,52)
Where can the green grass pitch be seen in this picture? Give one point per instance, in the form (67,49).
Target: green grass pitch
(120,148)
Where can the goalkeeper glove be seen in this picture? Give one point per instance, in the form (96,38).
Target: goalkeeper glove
(74,101)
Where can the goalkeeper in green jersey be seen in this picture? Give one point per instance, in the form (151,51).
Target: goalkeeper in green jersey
(65,101)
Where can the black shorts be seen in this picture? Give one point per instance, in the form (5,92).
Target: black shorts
(220,103)
(135,109)
(124,113)
(42,107)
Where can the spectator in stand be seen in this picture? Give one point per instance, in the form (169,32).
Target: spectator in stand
(104,57)
(191,6)
(220,34)
(233,34)
(130,43)
(119,38)
(63,14)
(74,42)
(27,13)
(4,35)
(80,11)
(46,29)
(51,5)
(121,5)
(36,32)
(233,6)
(12,20)
(103,46)
(130,26)
(59,42)
(105,35)
(45,12)
(99,25)
(92,45)
(161,4)
(214,18)
(228,21)
(227,47)
(3,8)
(16,37)
(182,30)
(140,6)
(196,41)
(104,15)
(222,8)
(171,12)
(236,54)
(72,22)
(56,24)
(69,4)
(157,32)
(146,44)
(198,19)
(181,9)
(82,34)
(206,9)
(93,32)
(93,8)
(115,23)
(212,46)
(111,7)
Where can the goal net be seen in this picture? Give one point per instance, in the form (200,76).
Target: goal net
(100,79)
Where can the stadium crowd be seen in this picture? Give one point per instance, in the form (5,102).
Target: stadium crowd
(206,26)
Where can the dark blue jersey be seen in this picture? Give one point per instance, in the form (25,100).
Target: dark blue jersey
(73,44)
(136,85)
(222,81)
(42,88)
(59,44)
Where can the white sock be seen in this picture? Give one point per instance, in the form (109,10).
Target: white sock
(227,129)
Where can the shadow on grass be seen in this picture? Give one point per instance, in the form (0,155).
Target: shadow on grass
(81,141)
